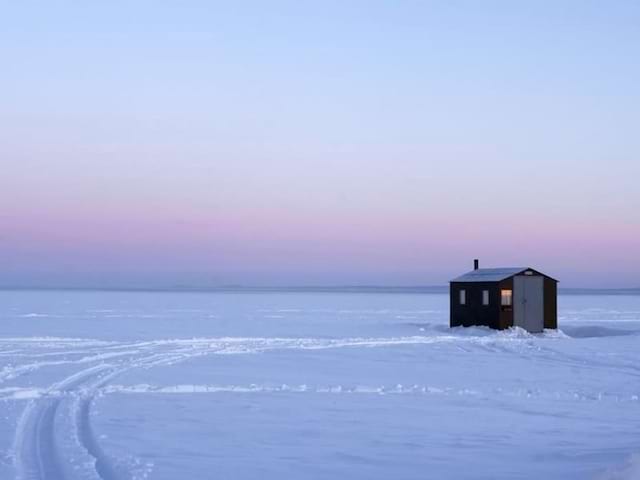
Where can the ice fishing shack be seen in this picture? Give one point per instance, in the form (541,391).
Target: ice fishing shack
(504,297)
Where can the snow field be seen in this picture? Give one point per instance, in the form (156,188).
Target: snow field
(405,398)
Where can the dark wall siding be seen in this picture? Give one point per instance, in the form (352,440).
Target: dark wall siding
(474,313)
(550,303)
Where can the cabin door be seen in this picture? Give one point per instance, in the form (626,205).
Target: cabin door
(528,303)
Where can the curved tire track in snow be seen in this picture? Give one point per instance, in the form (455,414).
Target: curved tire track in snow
(35,448)
(47,461)
(105,467)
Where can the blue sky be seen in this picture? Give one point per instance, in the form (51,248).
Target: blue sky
(326,142)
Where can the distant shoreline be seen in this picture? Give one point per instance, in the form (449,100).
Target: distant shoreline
(368,289)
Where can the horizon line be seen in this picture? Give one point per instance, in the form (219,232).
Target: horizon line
(233,288)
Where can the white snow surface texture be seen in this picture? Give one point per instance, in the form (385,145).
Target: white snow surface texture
(123,385)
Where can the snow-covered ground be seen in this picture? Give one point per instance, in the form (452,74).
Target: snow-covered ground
(111,386)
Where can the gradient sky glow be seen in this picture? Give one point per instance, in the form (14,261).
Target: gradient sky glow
(334,142)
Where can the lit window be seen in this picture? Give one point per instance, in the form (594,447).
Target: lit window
(506,297)
(485,297)
(463,297)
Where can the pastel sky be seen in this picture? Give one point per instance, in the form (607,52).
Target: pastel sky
(330,142)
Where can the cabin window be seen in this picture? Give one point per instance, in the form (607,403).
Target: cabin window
(463,297)
(485,297)
(506,297)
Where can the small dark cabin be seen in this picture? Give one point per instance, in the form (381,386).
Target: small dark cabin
(504,297)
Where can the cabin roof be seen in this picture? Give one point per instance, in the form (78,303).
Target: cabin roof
(490,274)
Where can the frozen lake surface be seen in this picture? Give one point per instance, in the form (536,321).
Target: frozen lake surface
(113,386)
